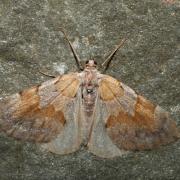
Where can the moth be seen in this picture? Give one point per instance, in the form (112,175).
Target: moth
(86,108)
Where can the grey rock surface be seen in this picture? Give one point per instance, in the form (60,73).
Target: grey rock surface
(149,63)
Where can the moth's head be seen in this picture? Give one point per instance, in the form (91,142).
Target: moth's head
(91,64)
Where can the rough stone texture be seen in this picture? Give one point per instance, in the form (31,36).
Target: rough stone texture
(30,40)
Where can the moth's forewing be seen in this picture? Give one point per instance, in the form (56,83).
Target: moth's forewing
(39,114)
(131,121)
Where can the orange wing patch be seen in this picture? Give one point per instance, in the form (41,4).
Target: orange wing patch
(29,100)
(109,88)
(143,116)
(68,85)
(144,113)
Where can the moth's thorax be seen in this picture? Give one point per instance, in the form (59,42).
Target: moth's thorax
(89,89)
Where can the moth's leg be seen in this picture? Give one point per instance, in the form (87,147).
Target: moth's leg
(110,57)
(79,65)
(45,74)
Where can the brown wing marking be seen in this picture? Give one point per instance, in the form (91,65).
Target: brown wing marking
(32,114)
(143,115)
(134,123)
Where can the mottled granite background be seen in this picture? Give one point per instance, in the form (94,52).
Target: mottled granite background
(148,62)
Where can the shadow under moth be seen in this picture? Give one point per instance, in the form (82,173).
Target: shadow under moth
(86,108)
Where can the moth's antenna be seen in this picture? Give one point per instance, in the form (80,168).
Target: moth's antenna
(79,65)
(110,57)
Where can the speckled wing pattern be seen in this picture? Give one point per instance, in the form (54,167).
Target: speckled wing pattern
(41,113)
(131,121)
